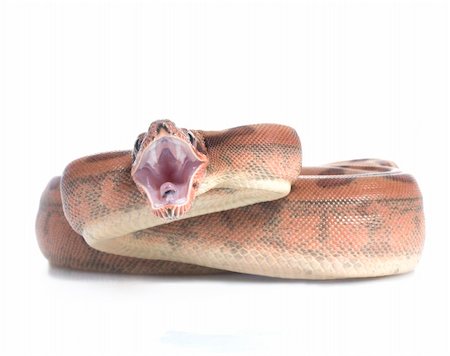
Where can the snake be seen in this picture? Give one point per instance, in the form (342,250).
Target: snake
(195,202)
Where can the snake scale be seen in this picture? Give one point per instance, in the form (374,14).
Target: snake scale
(199,202)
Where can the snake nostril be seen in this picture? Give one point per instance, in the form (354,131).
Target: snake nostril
(162,126)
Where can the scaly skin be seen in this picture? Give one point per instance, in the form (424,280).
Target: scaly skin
(359,218)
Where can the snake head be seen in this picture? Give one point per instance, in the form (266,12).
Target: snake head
(169,164)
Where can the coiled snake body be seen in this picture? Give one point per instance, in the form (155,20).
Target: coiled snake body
(197,202)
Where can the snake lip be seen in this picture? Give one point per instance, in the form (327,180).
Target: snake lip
(165,172)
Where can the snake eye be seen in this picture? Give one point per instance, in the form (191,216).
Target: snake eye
(137,146)
(191,137)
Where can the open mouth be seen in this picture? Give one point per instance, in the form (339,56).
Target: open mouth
(165,172)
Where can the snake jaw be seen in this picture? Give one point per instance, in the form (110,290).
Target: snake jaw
(167,172)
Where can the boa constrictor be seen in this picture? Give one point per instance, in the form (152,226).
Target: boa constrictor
(198,202)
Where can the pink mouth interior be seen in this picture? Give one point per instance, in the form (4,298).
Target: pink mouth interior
(165,171)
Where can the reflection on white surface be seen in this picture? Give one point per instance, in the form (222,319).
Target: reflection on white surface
(230,343)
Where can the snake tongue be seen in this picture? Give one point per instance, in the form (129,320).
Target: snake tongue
(165,172)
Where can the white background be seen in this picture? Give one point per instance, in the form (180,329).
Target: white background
(356,79)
